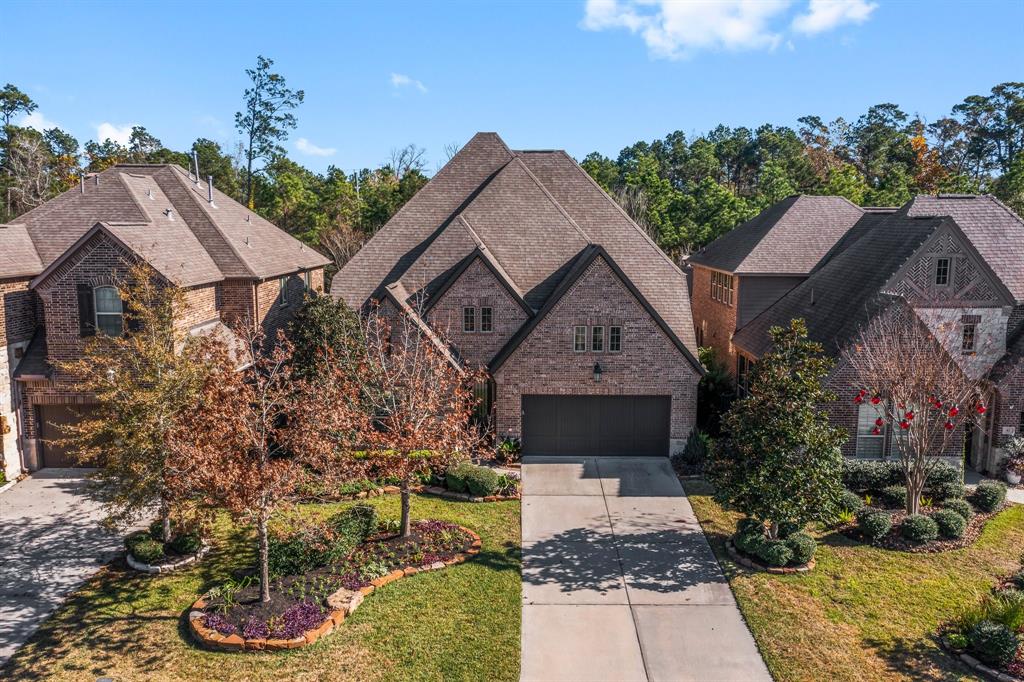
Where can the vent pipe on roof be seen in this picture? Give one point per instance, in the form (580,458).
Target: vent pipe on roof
(96,177)
(169,213)
(195,160)
(209,189)
(81,182)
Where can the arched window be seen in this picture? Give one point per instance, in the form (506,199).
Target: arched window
(108,311)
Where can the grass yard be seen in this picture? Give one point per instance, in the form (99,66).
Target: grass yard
(863,613)
(461,623)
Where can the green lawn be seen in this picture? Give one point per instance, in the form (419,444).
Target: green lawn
(863,613)
(461,623)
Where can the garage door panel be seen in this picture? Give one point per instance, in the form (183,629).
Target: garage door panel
(596,425)
(53,417)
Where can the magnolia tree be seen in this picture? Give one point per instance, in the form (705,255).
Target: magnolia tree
(917,388)
(142,382)
(780,460)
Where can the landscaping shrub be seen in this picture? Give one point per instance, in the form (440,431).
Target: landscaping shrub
(482,481)
(356,523)
(943,474)
(749,525)
(893,495)
(993,643)
(787,528)
(775,553)
(308,545)
(186,543)
(874,524)
(948,491)
(802,546)
(695,452)
(455,477)
(749,542)
(961,507)
(850,501)
(950,523)
(919,528)
(868,475)
(144,548)
(989,496)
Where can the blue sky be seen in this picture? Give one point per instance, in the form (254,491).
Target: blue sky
(573,75)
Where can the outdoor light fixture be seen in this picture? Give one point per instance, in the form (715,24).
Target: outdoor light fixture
(597,371)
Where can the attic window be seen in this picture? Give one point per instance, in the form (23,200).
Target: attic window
(469,319)
(942,272)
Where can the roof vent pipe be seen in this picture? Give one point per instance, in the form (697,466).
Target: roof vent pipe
(195,160)
(81,182)
(169,213)
(96,178)
(209,188)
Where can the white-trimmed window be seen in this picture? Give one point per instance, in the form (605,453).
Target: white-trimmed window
(614,339)
(469,319)
(109,311)
(579,339)
(307,277)
(722,287)
(486,319)
(869,443)
(282,293)
(597,339)
(942,267)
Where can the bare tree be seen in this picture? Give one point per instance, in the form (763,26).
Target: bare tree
(633,201)
(407,159)
(341,242)
(28,164)
(918,388)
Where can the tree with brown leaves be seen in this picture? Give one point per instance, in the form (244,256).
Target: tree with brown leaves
(918,387)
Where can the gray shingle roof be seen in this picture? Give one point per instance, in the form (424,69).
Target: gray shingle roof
(203,243)
(18,257)
(844,292)
(787,238)
(533,212)
(996,232)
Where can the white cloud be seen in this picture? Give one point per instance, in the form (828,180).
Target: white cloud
(37,120)
(307,147)
(118,133)
(400,80)
(825,15)
(674,30)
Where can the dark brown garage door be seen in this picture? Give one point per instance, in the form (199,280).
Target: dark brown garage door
(52,417)
(596,425)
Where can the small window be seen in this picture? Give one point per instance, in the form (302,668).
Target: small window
(942,272)
(722,287)
(870,436)
(597,339)
(109,312)
(307,277)
(486,320)
(282,295)
(579,339)
(614,339)
(969,338)
(469,319)
(743,367)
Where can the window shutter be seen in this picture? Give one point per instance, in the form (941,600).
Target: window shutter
(86,311)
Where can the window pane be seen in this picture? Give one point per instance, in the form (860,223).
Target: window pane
(942,271)
(486,323)
(868,444)
(597,339)
(108,300)
(615,339)
(969,332)
(109,324)
(469,319)
(579,343)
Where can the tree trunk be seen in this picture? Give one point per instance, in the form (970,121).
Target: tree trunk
(261,529)
(915,487)
(406,525)
(773,530)
(165,518)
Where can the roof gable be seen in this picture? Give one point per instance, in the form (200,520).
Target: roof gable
(18,257)
(482,255)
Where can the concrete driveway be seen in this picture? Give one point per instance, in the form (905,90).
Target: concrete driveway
(619,582)
(50,543)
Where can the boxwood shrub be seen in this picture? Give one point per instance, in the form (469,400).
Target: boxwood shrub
(850,501)
(749,542)
(989,495)
(866,475)
(947,491)
(874,524)
(482,481)
(961,507)
(894,495)
(802,546)
(919,528)
(144,548)
(749,525)
(775,553)
(951,524)
(186,543)
(455,479)
(993,643)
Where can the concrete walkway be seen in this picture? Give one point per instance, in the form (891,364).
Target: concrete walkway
(619,582)
(50,543)
(1013,494)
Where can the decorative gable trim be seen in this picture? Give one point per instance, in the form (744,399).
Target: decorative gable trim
(72,256)
(483,255)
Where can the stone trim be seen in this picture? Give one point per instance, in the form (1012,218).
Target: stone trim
(977,666)
(341,606)
(436,491)
(143,567)
(753,565)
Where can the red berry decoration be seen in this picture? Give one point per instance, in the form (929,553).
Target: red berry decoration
(949,425)
(954,411)
(858,399)
(879,422)
(981,408)
(909,415)
(938,404)
(876,431)
(904,425)
(875,400)
(863,392)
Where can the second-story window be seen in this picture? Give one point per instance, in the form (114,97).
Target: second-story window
(942,272)
(307,277)
(579,339)
(486,319)
(969,324)
(614,339)
(109,311)
(469,319)
(597,339)
(722,287)
(282,294)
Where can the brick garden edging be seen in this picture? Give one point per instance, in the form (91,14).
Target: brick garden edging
(753,565)
(977,666)
(435,490)
(341,604)
(166,568)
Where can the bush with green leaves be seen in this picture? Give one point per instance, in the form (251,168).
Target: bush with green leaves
(803,547)
(874,524)
(850,501)
(696,450)
(989,496)
(186,543)
(304,545)
(863,476)
(144,548)
(993,643)
(893,495)
(961,507)
(749,525)
(455,479)
(483,481)
(775,553)
(919,528)
(950,523)
(749,542)
(948,491)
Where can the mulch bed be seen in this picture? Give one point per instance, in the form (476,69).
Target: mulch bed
(895,541)
(754,564)
(301,607)
(435,490)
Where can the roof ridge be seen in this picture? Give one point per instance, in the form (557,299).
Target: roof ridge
(551,198)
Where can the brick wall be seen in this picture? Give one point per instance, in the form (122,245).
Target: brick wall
(649,364)
(1009,405)
(202,304)
(17,324)
(477,287)
(17,312)
(274,311)
(716,319)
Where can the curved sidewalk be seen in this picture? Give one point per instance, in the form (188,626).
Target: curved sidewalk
(619,582)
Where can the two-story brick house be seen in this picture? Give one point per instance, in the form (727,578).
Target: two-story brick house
(958,259)
(528,269)
(60,261)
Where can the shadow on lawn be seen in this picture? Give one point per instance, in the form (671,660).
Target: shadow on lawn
(918,659)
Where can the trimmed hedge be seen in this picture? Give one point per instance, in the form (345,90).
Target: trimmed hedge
(989,496)
(947,491)
(919,528)
(749,525)
(749,542)
(874,524)
(802,546)
(894,495)
(850,501)
(950,523)
(775,553)
(144,548)
(476,480)
(455,477)
(961,507)
(186,543)
(993,643)
(864,476)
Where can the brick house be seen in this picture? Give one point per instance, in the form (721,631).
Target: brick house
(959,260)
(59,262)
(528,269)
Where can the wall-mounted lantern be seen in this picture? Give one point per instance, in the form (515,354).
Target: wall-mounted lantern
(597,371)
